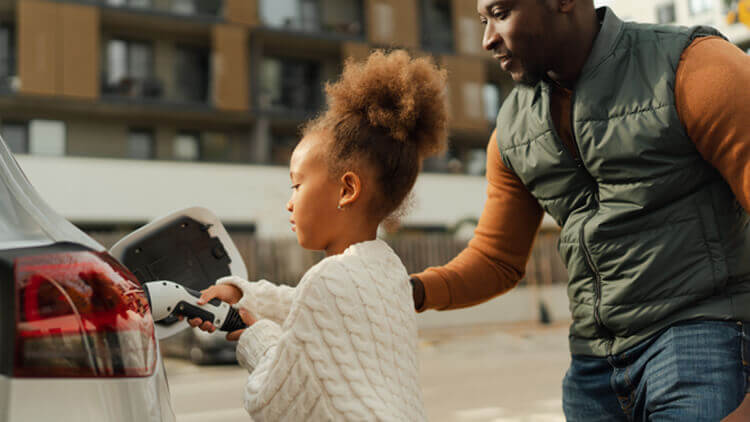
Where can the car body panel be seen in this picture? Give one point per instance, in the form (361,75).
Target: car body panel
(88,399)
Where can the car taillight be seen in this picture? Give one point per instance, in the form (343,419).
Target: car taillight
(81,314)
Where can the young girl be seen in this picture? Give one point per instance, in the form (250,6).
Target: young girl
(342,345)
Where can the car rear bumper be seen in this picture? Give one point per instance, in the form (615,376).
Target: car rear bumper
(88,399)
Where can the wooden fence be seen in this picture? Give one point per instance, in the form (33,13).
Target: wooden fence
(283,261)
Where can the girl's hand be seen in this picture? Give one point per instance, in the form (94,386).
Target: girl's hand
(224,292)
(247,319)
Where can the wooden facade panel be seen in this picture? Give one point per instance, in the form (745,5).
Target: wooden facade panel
(466,79)
(79,48)
(467,29)
(355,50)
(230,67)
(38,57)
(393,22)
(243,12)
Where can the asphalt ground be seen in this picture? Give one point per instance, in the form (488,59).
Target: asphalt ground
(494,373)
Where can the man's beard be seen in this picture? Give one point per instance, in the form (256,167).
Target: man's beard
(531,78)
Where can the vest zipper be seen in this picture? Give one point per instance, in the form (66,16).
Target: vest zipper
(581,241)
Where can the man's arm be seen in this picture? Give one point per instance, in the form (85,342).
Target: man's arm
(495,259)
(712,93)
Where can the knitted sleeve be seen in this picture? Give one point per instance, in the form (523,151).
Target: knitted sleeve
(263,299)
(713,101)
(496,257)
(307,370)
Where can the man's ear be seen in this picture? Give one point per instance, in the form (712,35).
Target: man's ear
(351,188)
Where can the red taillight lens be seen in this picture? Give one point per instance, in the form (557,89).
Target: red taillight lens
(81,314)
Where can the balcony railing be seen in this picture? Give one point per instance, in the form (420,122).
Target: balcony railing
(337,17)
(187,8)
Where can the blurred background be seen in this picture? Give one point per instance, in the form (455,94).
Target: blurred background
(121,111)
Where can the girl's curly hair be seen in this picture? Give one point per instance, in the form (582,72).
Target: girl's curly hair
(390,113)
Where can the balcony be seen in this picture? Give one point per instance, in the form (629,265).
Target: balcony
(132,74)
(338,18)
(290,87)
(207,9)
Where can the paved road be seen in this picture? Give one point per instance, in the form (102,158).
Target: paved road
(501,373)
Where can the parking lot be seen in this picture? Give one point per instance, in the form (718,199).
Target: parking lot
(494,373)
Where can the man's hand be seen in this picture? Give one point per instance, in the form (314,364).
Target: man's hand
(247,319)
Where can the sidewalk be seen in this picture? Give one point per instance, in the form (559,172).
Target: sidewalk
(508,372)
(494,373)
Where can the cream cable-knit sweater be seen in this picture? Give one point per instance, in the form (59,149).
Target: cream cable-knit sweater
(347,346)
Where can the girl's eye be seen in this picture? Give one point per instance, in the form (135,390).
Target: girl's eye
(483,21)
(294,187)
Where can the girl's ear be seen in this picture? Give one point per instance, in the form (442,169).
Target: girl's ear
(351,188)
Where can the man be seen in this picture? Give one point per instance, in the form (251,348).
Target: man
(636,140)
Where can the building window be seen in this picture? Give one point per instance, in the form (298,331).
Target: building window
(16,137)
(492,100)
(192,74)
(665,13)
(700,6)
(290,84)
(299,15)
(7,56)
(47,137)
(141,144)
(197,7)
(129,69)
(187,146)
(383,22)
(214,147)
(140,4)
(338,16)
(437,25)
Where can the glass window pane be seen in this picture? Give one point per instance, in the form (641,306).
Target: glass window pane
(192,67)
(270,83)
(665,13)
(214,147)
(290,84)
(141,144)
(15,136)
(279,13)
(491,98)
(116,61)
(309,15)
(47,137)
(184,7)
(186,147)
(343,16)
(6,51)
(139,60)
(437,32)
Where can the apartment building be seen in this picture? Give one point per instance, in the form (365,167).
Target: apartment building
(225,81)
(686,12)
(123,110)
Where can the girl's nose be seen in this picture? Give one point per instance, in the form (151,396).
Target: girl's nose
(289,206)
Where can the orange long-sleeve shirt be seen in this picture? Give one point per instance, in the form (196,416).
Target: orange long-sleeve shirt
(712,95)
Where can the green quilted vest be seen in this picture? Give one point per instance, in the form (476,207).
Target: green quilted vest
(651,233)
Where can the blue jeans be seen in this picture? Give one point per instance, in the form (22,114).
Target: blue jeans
(693,371)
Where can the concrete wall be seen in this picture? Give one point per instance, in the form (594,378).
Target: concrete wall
(91,190)
(520,304)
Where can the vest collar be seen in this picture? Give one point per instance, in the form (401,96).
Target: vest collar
(605,42)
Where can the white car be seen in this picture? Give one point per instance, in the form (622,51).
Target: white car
(77,339)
